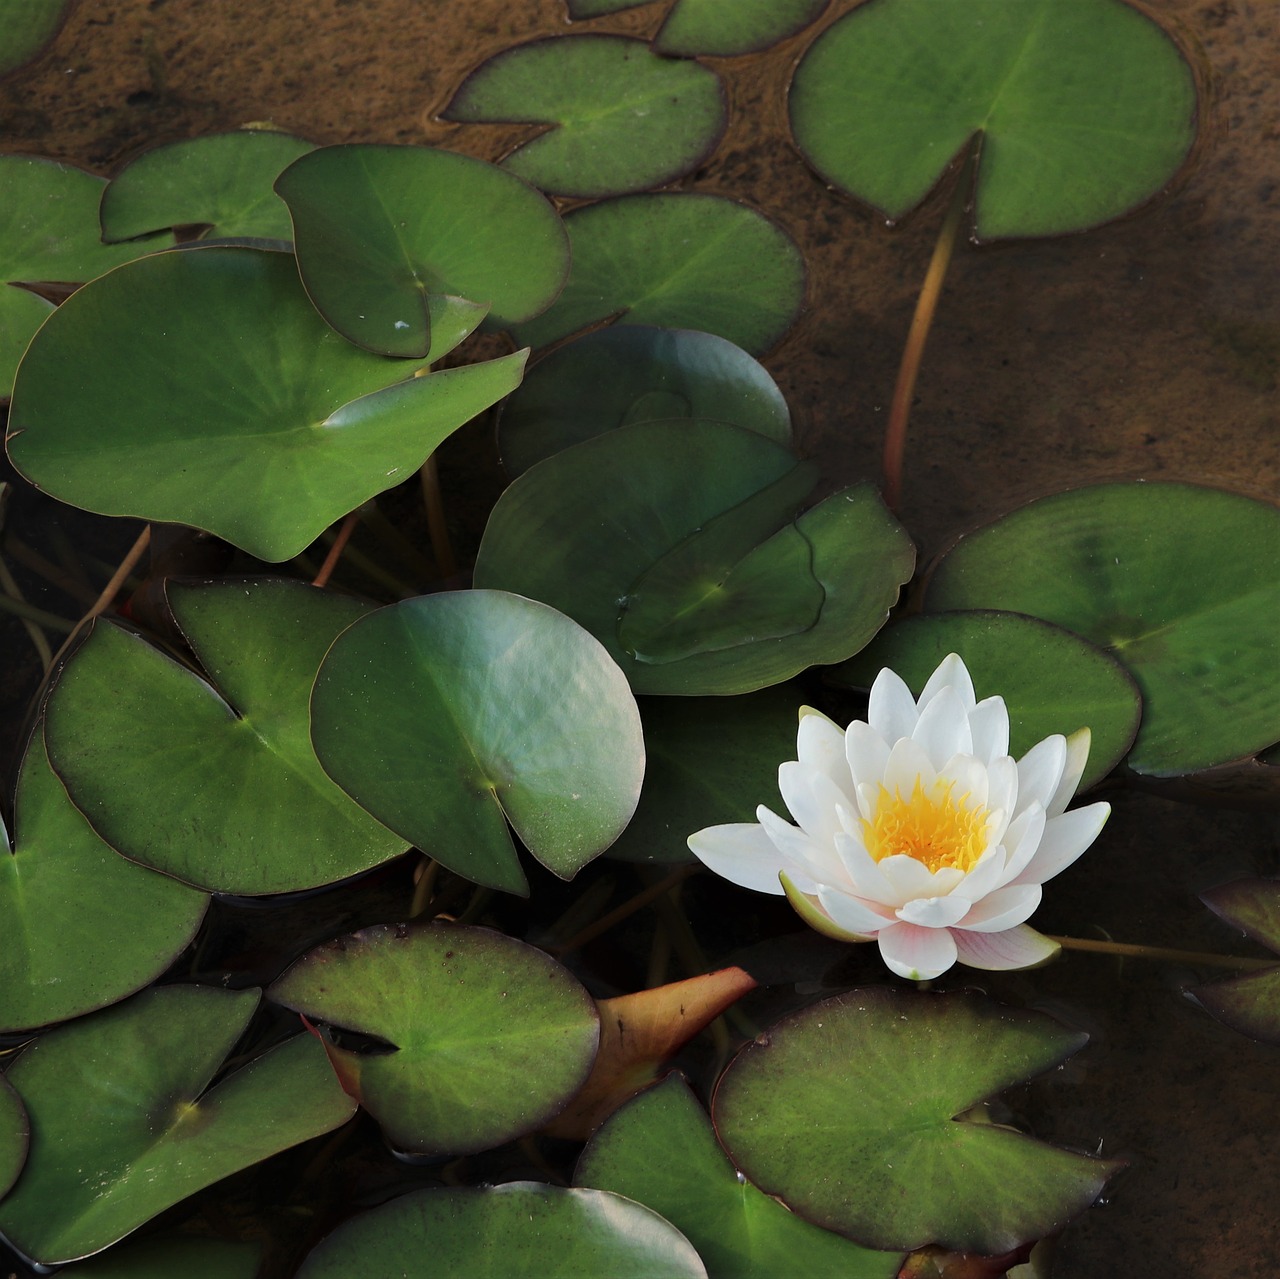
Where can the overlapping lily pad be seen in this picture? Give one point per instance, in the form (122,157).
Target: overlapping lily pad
(450,715)
(83,927)
(1178,582)
(521,1228)
(124,1122)
(236,801)
(681,261)
(15,1135)
(383,232)
(695,27)
(209,392)
(661,1151)
(635,373)
(223,180)
(689,564)
(620,118)
(1052,681)
(1084,110)
(28,26)
(903,1167)
(1249,1003)
(489,1037)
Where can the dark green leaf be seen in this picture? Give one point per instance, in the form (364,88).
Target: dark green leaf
(27,26)
(15,1136)
(1250,1003)
(164,1256)
(695,27)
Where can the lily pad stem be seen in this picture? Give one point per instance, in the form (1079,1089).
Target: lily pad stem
(895,435)
(1199,957)
(335,551)
(441,547)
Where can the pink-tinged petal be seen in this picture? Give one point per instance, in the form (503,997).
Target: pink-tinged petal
(916,953)
(866,752)
(943,729)
(1020,947)
(741,853)
(1040,771)
(908,761)
(812,799)
(987,873)
(989,724)
(864,874)
(1077,757)
(852,914)
(1003,909)
(1022,840)
(1064,839)
(909,879)
(968,777)
(952,673)
(820,745)
(934,912)
(891,710)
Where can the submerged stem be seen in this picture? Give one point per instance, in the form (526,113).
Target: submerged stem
(441,547)
(1204,958)
(335,551)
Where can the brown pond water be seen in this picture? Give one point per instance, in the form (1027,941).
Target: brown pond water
(1150,348)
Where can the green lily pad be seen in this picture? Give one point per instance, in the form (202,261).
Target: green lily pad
(15,1136)
(1083,110)
(209,392)
(223,180)
(164,1256)
(904,1167)
(21,314)
(83,927)
(382,231)
(709,760)
(683,261)
(124,1122)
(490,1037)
(689,564)
(697,27)
(1052,681)
(507,1232)
(1177,582)
(620,117)
(660,1150)
(28,26)
(1250,1003)
(450,715)
(236,801)
(635,373)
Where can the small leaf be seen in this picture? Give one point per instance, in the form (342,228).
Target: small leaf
(1250,1003)
(696,27)
(28,26)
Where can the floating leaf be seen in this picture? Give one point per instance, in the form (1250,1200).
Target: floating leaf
(162,1257)
(222,180)
(695,27)
(635,373)
(1178,582)
(1251,1003)
(124,1122)
(382,232)
(449,715)
(689,565)
(621,118)
(1084,110)
(236,801)
(490,1037)
(902,1167)
(15,1136)
(678,260)
(21,314)
(1051,680)
(521,1228)
(83,927)
(661,1151)
(208,392)
(28,26)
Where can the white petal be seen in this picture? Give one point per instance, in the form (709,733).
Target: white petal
(864,874)
(1020,947)
(1077,757)
(1040,771)
(798,854)
(1002,909)
(968,777)
(934,912)
(952,673)
(989,724)
(909,879)
(1064,839)
(1022,840)
(891,710)
(907,762)
(812,799)
(987,872)
(1002,785)
(741,853)
(943,729)
(917,953)
(851,913)
(866,752)
(820,745)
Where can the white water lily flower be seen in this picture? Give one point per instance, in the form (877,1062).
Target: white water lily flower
(917,829)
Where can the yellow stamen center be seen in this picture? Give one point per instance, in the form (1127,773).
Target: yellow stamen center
(933,826)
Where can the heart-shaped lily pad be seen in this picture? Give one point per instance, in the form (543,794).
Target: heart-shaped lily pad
(1177,582)
(1084,110)
(1052,681)
(635,373)
(501,1232)
(381,231)
(661,1151)
(83,926)
(620,117)
(15,1135)
(236,801)
(679,260)
(124,1123)
(697,27)
(489,1036)
(903,1167)
(209,392)
(28,26)
(449,715)
(689,564)
(163,1256)
(223,180)
(1251,1003)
